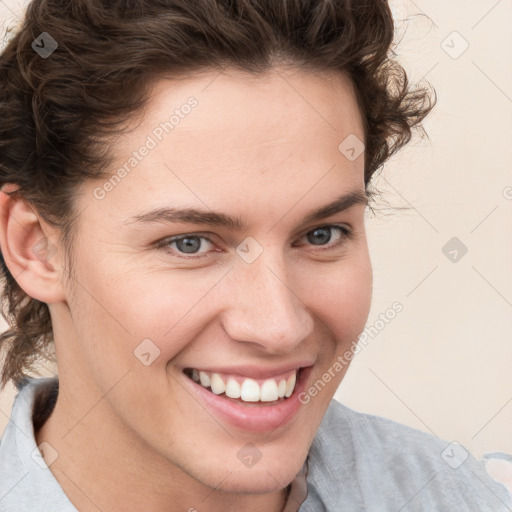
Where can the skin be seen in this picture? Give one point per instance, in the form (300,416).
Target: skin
(264,149)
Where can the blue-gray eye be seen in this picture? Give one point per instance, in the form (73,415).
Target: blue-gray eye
(189,244)
(323,234)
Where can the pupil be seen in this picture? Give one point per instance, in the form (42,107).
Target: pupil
(188,245)
(322,233)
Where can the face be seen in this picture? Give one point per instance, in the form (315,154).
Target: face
(202,266)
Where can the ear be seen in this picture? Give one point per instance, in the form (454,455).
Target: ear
(32,258)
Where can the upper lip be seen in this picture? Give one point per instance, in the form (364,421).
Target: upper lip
(255,372)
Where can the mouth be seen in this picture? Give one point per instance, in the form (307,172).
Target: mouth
(245,390)
(260,401)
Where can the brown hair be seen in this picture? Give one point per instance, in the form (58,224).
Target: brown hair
(58,111)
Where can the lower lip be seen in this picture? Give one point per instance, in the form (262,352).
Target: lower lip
(253,418)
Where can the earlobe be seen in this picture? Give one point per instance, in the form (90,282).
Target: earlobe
(31,256)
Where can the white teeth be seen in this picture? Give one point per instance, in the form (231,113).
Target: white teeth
(250,390)
(233,388)
(217,384)
(269,391)
(290,385)
(205,380)
(281,389)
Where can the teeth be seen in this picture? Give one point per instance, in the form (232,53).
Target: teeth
(217,384)
(269,391)
(290,385)
(281,389)
(205,380)
(249,390)
(233,388)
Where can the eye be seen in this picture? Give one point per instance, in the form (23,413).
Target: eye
(186,244)
(323,235)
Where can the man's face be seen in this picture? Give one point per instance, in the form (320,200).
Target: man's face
(251,303)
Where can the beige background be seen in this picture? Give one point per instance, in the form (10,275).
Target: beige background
(443,364)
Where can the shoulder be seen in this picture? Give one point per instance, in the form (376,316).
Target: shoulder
(26,482)
(373,463)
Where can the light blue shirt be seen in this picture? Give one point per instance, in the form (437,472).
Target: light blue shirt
(357,462)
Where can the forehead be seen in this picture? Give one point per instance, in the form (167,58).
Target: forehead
(258,103)
(216,133)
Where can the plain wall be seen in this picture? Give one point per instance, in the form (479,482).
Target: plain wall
(443,363)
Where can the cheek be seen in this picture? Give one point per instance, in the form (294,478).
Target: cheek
(121,308)
(340,297)
(341,302)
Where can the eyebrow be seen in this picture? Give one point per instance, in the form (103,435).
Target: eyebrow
(197,216)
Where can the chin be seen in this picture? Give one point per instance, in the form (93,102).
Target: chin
(251,481)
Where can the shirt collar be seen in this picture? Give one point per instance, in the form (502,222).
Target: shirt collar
(27,483)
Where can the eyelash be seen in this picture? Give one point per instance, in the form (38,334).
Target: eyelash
(346,235)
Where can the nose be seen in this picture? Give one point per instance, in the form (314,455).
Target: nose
(264,308)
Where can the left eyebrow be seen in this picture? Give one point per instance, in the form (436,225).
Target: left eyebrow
(338,205)
(197,216)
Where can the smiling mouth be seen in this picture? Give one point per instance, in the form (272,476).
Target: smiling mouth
(246,390)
